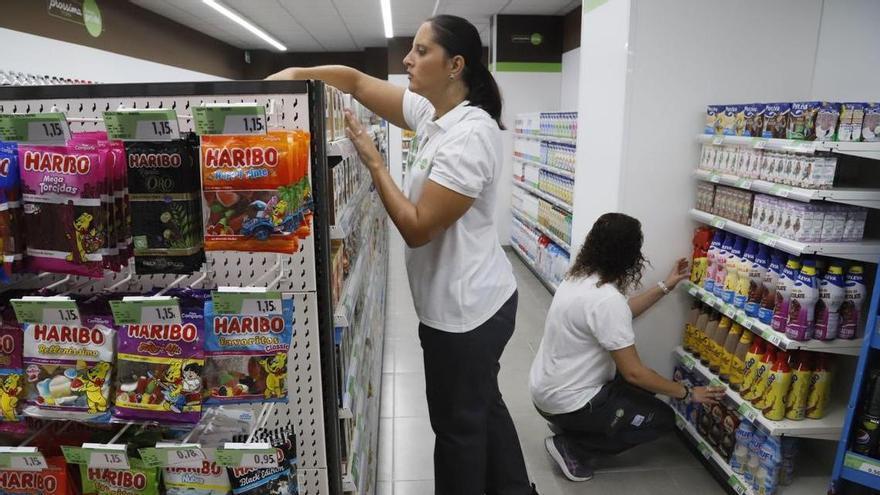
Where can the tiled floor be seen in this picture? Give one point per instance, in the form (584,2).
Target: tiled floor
(406,439)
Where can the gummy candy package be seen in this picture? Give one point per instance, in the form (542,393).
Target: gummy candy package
(11,235)
(64,215)
(166,222)
(11,371)
(247,356)
(68,368)
(160,368)
(50,481)
(279,480)
(208,479)
(256,192)
(139,480)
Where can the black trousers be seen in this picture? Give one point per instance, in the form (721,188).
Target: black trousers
(477,450)
(619,417)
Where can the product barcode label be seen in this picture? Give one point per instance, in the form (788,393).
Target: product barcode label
(745,321)
(768,239)
(715,178)
(729,311)
(759,144)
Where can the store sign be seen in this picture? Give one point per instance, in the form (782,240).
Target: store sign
(82,12)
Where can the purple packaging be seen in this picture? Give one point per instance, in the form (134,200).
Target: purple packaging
(775,120)
(871,122)
(802,303)
(160,368)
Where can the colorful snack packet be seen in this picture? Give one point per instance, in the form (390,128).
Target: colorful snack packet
(279,480)
(11,230)
(139,480)
(247,356)
(11,371)
(209,479)
(167,218)
(68,368)
(50,481)
(64,215)
(256,192)
(160,368)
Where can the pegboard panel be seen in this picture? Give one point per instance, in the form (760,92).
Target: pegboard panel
(312,482)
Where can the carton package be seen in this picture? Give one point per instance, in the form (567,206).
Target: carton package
(871,122)
(753,115)
(775,120)
(852,116)
(713,116)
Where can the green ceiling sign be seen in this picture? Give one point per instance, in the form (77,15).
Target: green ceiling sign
(83,12)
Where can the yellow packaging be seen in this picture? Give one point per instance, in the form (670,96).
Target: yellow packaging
(796,403)
(820,394)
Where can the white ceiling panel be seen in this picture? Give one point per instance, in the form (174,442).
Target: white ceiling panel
(337,25)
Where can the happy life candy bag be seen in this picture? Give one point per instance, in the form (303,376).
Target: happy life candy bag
(256,192)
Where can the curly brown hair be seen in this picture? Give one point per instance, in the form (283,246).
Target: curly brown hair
(613,250)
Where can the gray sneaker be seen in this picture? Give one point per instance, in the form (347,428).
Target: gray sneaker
(571,467)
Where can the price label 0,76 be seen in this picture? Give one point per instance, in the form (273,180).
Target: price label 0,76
(174,455)
(146,311)
(21,459)
(142,125)
(47,310)
(230,119)
(35,128)
(249,455)
(246,301)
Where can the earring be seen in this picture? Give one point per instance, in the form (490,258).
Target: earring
(451,76)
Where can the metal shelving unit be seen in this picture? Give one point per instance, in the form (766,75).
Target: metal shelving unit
(564,205)
(543,166)
(522,217)
(544,137)
(531,265)
(860,149)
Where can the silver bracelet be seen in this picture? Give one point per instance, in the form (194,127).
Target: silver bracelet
(663,287)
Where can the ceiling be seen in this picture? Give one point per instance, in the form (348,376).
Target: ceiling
(338,25)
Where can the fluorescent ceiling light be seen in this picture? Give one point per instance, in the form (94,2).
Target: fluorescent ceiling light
(386,18)
(241,21)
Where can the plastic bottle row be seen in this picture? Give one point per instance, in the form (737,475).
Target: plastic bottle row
(548,259)
(794,169)
(556,185)
(559,155)
(810,298)
(554,220)
(558,124)
(765,462)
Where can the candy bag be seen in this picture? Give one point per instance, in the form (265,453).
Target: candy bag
(209,479)
(247,356)
(160,368)
(279,480)
(50,481)
(11,235)
(166,221)
(68,368)
(11,372)
(64,216)
(257,193)
(139,480)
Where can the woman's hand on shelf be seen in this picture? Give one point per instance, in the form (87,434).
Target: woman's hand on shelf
(680,271)
(362,141)
(707,395)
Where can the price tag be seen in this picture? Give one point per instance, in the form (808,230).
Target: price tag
(241,302)
(780,190)
(174,455)
(35,128)
(104,456)
(773,338)
(861,463)
(688,362)
(248,455)
(704,449)
(729,311)
(768,239)
(759,144)
(718,140)
(747,411)
(142,125)
(807,147)
(736,484)
(718,222)
(715,382)
(21,459)
(715,178)
(692,290)
(47,310)
(745,321)
(230,119)
(744,183)
(679,423)
(146,311)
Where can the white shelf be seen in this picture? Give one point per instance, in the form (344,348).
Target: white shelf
(827,428)
(543,137)
(838,346)
(869,198)
(526,261)
(345,222)
(865,250)
(545,196)
(554,170)
(864,150)
(544,230)
(736,481)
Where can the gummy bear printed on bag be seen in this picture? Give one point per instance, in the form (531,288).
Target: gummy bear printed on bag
(68,368)
(247,356)
(257,192)
(62,186)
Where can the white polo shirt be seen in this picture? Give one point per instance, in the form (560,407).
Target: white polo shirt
(584,324)
(462,277)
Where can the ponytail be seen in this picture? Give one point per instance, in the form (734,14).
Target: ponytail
(459,37)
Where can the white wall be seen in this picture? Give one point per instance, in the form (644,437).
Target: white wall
(848,57)
(22,52)
(571,72)
(522,92)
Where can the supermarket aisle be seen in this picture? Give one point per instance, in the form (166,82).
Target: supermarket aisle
(406,440)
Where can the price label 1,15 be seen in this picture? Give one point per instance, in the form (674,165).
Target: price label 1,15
(146,311)
(21,459)
(248,455)
(230,119)
(46,310)
(142,125)
(97,455)
(242,301)
(35,128)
